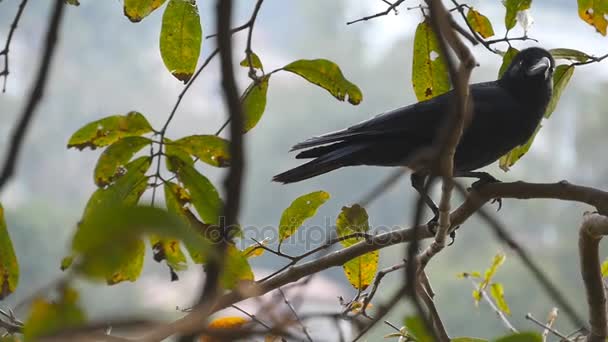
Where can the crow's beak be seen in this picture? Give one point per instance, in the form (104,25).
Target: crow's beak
(542,66)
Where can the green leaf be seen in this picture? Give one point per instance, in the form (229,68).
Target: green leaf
(300,210)
(594,12)
(205,197)
(255,61)
(515,154)
(50,317)
(66,262)
(9,268)
(180,38)
(175,151)
(415,326)
(521,337)
(236,268)
(480,23)
(467,339)
(112,160)
(255,250)
(561,77)
(210,149)
(514,6)
(361,270)
(254,103)
(506,60)
(605,268)
(128,266)
(136,10)
(498,293)
(430,76)
(108,130)
(73,3)
(328,76)
(498,260)
(570,54)
(170,251)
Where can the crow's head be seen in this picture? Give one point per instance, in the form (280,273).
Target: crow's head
(529,76)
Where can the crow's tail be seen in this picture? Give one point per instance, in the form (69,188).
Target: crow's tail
(333,158)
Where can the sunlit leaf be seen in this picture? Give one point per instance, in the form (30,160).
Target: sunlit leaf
(236,268)
(480,23)
(415,326)
(300,210)
(506,60)
(498,293)
(136,10)
(255,61)
(112,160)
(605,268)
(73,3)
(49,317)
(570,54)
(521,337)
(430,76)
(210,149)
(9,268)
(515,154)
(463,275)
(108,130)
(497,261)
(169,250)
(361,270)
(180,38)
(254,103)
(513,7)
(204,196)
(467,339)
(594,13)
(561,77)
(255,249)
(328,76)
(224,323)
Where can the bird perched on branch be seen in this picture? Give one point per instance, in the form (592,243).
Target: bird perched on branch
(505,114)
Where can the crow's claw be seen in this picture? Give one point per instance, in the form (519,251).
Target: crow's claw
(453,237)
(499,201)
(486,178)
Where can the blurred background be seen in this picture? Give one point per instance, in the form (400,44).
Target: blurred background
(107,65)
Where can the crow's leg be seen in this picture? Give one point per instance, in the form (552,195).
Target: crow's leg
(420,182)
(483,178)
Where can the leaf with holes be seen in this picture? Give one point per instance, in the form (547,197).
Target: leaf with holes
(9,268)
(327,75)
(498,293)
(210,149)
(505,162)
(108,130)
(181,38)
(49,317)
(429,69)
(513,7)
(255,62)
(300,210)
(506,60)
(254,103)
(136,10)
(480,23)
(361,270)
(570,54)
(561,77)
(594,13)
(112,160)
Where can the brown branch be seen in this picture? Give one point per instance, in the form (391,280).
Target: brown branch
(591,232)
(4,73)
(295,314)
(379,14)
(36,95)
(547,327)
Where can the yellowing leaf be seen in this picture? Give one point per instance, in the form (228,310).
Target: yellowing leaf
(108,130)
(605,268)
(361,270)
(429,70)
(255,249)
(594,13)
(210,149)
(136,10)
(498,260)
(498,293)
(506,60)
(521,337)
(328,76)
(236,268)
(255,61)
(112,160)
(175,151)
(204,196)
(505,162)
(254,103)
(181,38)
(300,210)
(561,77)
(570,54)
(514,6)
(130,265)
(49,317)
(170,251)
(224,323)
(9,268)
(467,339)
(480,23)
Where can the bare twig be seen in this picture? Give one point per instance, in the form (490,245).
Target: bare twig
(550,321)
(36,95)
(295,314)
(252,317)
(548,328)
(4,73)
(390,8)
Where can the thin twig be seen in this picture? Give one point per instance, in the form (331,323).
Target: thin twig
(252,316)
(18,134)
(4,73)
(379,14)
(486,297)
(550,321)
(547,327)
(295,314)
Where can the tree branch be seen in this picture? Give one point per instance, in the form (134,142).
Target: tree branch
(4,73)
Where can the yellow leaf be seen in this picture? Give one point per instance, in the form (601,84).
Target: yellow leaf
(429,69)
(480,23)
(223,323)
(498,293)
(594,12)
(9,268)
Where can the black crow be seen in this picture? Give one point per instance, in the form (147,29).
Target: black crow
(506,113)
